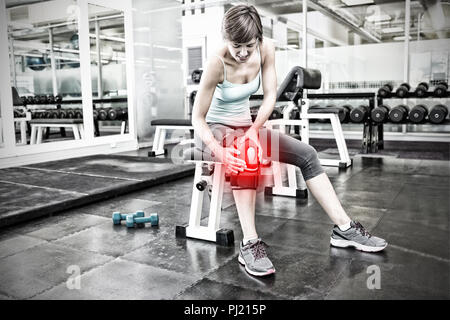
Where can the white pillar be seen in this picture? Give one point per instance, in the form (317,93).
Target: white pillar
(53,62)
(406,46)
(305,34)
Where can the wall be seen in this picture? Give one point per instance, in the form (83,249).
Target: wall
(158,63)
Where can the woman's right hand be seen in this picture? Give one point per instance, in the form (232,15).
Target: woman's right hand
(227,156)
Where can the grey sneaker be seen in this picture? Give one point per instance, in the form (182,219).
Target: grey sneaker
(356,236)
(253,256)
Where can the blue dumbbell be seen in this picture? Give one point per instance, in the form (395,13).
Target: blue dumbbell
(117,217)
(132,220)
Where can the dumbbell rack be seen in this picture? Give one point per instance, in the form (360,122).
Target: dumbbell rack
(97,101)
(379,141)
(370,130)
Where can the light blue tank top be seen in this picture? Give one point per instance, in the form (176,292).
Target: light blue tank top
(230,104)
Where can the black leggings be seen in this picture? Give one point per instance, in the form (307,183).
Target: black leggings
(276,147)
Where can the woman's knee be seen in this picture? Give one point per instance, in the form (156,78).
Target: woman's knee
(312,166)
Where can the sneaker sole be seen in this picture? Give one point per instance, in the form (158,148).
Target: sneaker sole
(254,273)
(346,243)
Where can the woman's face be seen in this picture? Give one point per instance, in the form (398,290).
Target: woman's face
(241,52)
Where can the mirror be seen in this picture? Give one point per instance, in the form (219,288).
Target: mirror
(108,71)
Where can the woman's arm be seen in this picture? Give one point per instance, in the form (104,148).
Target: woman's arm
(269,82)
(210,78)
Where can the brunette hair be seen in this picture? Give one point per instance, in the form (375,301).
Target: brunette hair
(241,24)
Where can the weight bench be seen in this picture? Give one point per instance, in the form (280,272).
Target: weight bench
(211,173)
(207,172)
(162,125)
(39,125)
(292,88)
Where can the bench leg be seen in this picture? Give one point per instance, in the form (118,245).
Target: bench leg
(292,189)
(212,231)
(39,134)
(81,130)
(158,142)
(23,132)
(76,133)
(33,135)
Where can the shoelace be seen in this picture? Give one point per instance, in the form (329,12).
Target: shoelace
(361,229)
(259,249)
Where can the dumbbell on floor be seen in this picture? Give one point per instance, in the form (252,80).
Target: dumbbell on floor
(132,221)
(117,217)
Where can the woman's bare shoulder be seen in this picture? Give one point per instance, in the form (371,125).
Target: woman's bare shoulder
(267,49)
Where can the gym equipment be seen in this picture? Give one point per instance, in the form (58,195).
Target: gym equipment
(385,90)
(132,221)
(44,99)
(402,90)
(399,114)
(58,98)
(37,99)
(35,63)
(290,90)
(62,114)
(51,99)
(54,114)
(196,75)
(70,113)
(437,114)
(95,114)
(359,114)
(117,217)
(380,114)
(117,114)
(418,113)
(78,113)
(422,89)
(102,114)
(441,89)
(23,101)
(112,114)
(344,116)
(30,100)
(201,185)
(192,98)
(162,125)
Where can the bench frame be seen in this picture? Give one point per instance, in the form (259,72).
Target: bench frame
(38,128)
(160,138)
(212,231)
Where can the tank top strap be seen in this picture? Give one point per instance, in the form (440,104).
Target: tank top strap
(224,69)
(260,59)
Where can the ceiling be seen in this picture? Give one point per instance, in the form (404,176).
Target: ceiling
(377,21)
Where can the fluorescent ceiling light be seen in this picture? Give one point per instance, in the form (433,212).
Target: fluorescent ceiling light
(378,18)
(356,2)
(392,30)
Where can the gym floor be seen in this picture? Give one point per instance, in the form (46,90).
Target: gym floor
(402,199)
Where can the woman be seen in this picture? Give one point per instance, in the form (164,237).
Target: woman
(221,106)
